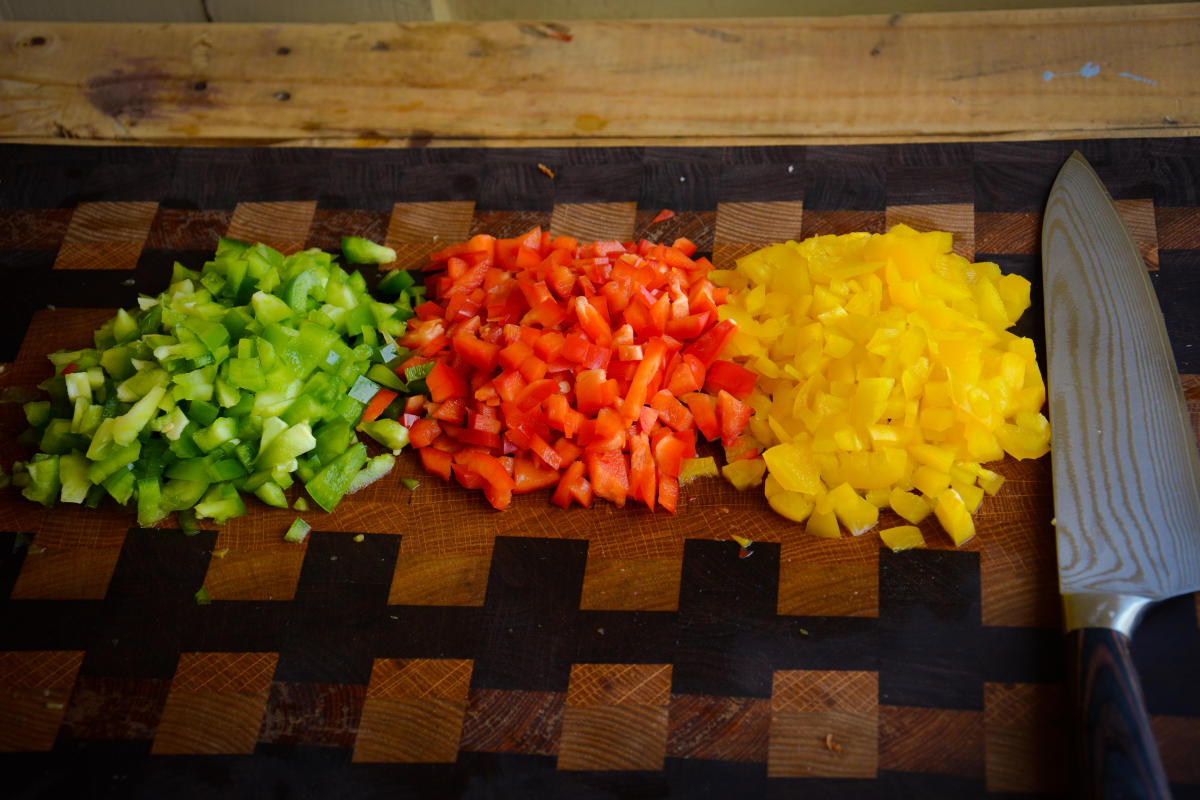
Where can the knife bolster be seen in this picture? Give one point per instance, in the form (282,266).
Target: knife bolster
(1118,612)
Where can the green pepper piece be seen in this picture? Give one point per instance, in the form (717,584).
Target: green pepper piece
(388,432)
(385,376)
(194,385)
(188,525)
(332,440)
(305,408)
(269,309)
(358,250)
(231,247)
(221,431)
(286,446)
(118,362)
(202,412)
(297,531)
(72,477)
(43,486)
(179,493)
(57,438)
(150,321)
(297,290)
(127,426)
(396,281)
(376,468)
(124,327)
(329,485)
(220,502)
(349,409)
(270,493)
(37,412)
(189,469)
(118,456)
(149,506)
(358,318)
(226,469)
(120,485)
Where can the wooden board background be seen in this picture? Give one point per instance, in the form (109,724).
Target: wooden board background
(456,651)
(1016,74)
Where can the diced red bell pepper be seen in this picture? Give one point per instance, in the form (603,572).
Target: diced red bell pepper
(608,472)
(529,475)
(704,414)
(668,492)
(733,378)
(733,415)
(571,487)
(445,383)
(424,431)
(436,462)
(476,352)
(673,413)
(639,385)
(708,346)
(591,322)
(492,473)
(643,479)
(514,354)
(687,376)
(669,452)
(453,410)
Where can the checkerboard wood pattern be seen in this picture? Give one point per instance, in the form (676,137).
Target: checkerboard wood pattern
(537,652)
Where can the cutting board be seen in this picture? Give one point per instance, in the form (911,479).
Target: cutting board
(423,644)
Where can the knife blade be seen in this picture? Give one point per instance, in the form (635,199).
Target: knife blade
(1125,469)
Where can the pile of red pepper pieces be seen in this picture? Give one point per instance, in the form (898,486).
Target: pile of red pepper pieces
(582,368)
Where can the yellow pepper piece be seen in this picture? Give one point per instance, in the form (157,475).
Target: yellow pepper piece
(856,514)
(692,468)
(911,507)
(794,467)
(822,523)
(745,473)
(952,513)
(902,537)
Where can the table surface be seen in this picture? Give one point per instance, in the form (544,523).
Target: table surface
(605,652)
(1029,74)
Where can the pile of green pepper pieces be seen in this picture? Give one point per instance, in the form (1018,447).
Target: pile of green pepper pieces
(242,377)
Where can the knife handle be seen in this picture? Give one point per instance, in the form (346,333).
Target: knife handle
(1116,754)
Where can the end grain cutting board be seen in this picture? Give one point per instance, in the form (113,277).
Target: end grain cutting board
(457,651)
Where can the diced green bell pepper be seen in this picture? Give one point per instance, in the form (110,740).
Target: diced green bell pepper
(332,482)
(359,250)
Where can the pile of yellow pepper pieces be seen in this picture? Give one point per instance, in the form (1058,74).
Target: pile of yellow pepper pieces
(888,377)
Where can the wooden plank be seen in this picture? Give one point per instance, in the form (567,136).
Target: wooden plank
(1048,73)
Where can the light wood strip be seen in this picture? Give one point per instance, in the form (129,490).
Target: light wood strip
(895,77)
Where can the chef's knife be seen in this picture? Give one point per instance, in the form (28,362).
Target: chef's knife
(1126,474)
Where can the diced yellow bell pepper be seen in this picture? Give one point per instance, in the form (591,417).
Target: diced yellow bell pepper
(952,513)
(822,523)
(794,467)
(792,505)
(886,365)
(902,537)
(746,473)
(912,507)
(856,514)
(692,468)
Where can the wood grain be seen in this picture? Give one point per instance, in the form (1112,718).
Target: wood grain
(899,77)
(1116,754)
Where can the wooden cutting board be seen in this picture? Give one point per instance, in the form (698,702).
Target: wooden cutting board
(455,650)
